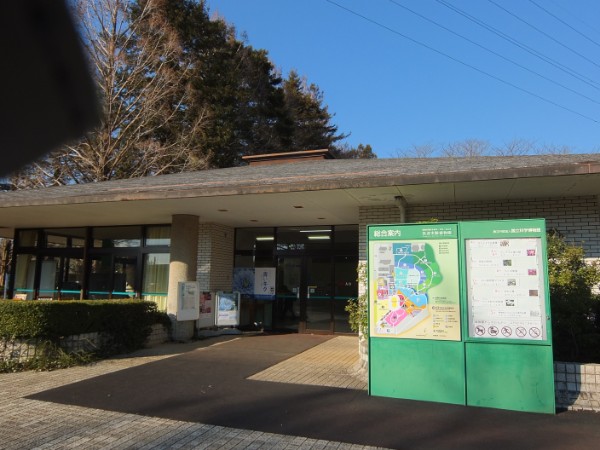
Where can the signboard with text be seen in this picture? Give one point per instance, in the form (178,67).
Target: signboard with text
(425,280)
(188,306)
(414,282)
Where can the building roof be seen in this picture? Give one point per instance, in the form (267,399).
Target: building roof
(352,182)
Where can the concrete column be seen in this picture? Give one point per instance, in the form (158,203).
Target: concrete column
(184,254)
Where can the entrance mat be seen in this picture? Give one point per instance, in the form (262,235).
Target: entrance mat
(210,386)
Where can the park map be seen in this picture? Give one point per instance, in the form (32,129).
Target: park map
(405,275)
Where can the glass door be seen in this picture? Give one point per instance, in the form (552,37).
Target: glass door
(288,310)
(319,291)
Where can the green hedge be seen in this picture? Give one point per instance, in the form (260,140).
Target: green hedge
(128,323)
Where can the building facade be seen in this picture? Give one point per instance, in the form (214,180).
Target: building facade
(305,217)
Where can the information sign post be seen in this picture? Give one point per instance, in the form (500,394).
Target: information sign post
(460,313)
(414,306)
(508,337)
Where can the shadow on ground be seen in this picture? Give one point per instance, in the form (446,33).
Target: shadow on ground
(208,384)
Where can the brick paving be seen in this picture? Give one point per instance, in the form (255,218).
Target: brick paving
(333,363)
(33,424)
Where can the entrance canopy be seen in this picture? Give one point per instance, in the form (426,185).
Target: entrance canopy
(306,193)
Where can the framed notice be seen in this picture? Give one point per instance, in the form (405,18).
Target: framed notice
(414,282)
(188,307)
(206,317)
(506,288)
(228,309)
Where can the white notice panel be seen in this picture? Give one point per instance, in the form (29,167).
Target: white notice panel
(188,301)
(506,289)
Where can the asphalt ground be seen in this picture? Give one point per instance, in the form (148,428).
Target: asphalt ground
(210,385)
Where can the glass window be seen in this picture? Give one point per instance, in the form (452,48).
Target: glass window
(346,238)
(49,276)
(303,238)
(160,235)
(254,239)
(24,277)
(244,261)
(117,237)
(100,274)
(28,238)
(72,279)
(64,237)
(346,285)
(124,285)
(156,279)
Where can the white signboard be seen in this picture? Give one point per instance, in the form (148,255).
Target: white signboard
(506,289)
(228,309)
(264,281)
(188,305)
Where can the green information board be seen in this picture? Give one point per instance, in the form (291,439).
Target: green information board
(507,311)
(415,334)
(459,313)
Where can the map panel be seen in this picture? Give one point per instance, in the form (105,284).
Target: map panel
(414,289)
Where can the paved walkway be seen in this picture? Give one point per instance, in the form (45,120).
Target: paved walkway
(34,424)
(333,363)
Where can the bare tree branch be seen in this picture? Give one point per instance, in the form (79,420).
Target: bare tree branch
(139,69)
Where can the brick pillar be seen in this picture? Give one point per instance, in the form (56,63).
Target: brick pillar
(215,257)
(184,244)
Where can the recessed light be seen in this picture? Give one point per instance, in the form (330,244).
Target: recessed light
(253,220)
(320,218)
(298,206)
(223,210)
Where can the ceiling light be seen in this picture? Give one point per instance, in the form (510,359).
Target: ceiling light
(315,231)
(265,238)
(318,237)
(298,206)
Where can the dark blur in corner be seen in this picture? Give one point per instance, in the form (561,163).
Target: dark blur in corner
(47,96)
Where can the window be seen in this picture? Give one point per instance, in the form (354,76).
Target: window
(54,263)
(117,237)
(64,237)
(160,235)
(25,277)
(156,279)
(27,238)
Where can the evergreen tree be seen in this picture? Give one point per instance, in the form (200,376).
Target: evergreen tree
(311,122)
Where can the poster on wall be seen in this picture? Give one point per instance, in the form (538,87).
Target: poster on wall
(206,317)
(264,282)
(506,288)
(243,280)
(228,309)
(414,282)
(188,307)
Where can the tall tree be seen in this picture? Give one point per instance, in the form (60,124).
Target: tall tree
(235,82)
(140,74)
(311,121)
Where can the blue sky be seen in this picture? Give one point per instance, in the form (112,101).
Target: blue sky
(427,86)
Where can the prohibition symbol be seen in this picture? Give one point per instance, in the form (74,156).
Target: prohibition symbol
(506,331)
(534,332)
(521,332)
(479,330)
(493,330)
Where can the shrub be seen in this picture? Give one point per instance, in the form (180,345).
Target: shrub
(126,323)
(357,309)
(574,306)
